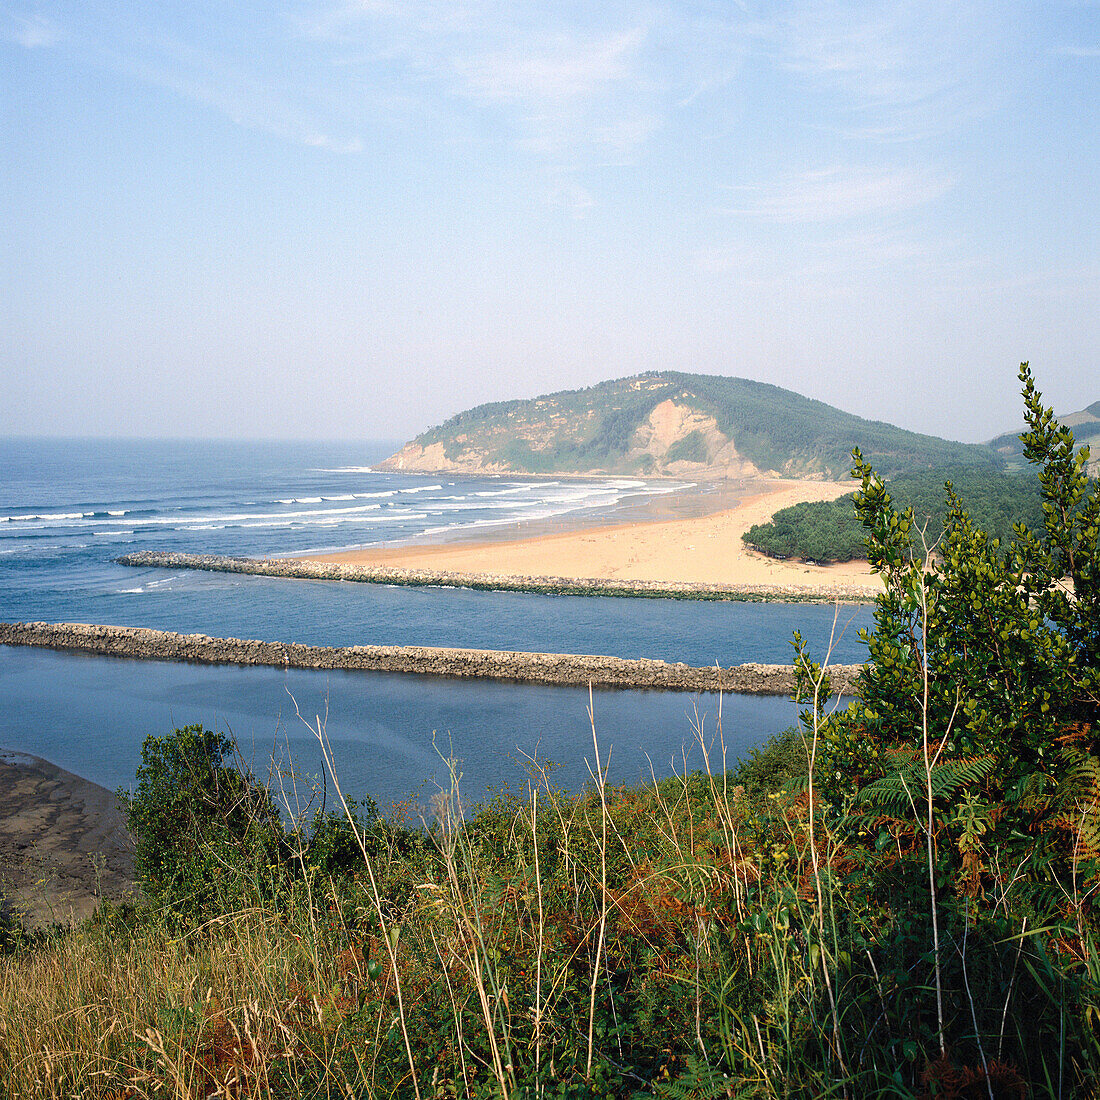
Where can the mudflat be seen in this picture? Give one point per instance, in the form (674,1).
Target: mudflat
(63,842)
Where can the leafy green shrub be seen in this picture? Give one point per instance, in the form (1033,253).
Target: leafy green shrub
(968,771)
(818,530)
(333,846)
(982,658)
(772,765)
(201,824)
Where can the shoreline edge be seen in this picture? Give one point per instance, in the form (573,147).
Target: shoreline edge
(305,569)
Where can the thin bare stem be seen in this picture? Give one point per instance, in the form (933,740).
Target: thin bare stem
(970,999)
(818,684)
(538,952)
(930,822)
(321,734)
(600,786)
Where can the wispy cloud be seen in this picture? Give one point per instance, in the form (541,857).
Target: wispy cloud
(839,192)
(571,94)
(575,86)
(124,40)
(562,70)
(245,97)
(571,197)
(570,86)
(31,31)
(899,71)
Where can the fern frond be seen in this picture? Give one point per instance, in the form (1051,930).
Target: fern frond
(697,1081)
(898,791)
(1078,798)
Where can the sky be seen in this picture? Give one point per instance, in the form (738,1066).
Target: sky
(353,218)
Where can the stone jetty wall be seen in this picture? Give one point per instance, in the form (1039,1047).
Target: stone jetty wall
(488,664)
(555,586)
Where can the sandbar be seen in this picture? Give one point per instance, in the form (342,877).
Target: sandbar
(695,549)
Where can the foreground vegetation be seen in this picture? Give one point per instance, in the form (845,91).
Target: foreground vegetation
(896,899)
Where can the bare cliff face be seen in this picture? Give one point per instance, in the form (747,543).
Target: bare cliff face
(433,459)
(683,441)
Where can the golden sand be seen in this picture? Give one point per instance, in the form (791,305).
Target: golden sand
(703,550)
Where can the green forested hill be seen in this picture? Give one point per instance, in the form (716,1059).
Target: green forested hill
(668,422)
(1086,430)
(829,531)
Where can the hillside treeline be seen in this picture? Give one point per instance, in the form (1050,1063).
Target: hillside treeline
(829,530)
(784,431)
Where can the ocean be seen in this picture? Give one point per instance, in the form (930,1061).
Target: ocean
(68,507)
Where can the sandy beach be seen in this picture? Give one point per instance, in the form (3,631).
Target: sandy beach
(63,843)
(698,549)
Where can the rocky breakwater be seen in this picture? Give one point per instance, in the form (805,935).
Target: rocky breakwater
(553,586)
(487,664)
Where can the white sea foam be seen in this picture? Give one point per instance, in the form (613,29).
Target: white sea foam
(442,505)
(475,525)
(346,496)
(366,516)
(44,516)
(293,555)
(182,519)
(526,488)
(343,470)
(334,518)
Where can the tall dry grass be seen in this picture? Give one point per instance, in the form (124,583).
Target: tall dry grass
(680,938)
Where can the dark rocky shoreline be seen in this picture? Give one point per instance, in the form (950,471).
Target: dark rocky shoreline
(63,843)
(554,586)
(539,668)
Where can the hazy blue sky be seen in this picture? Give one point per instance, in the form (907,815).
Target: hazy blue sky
(353,218)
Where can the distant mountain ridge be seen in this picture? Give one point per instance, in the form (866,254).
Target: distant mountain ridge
(1086,430)
(682,425)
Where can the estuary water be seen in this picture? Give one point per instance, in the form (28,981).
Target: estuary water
(68,507)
